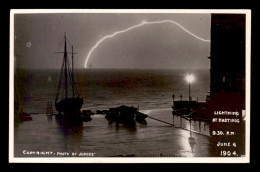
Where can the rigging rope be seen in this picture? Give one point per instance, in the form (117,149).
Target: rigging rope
(60,81)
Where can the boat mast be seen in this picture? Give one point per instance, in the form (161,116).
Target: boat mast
(72,74)
(65,70)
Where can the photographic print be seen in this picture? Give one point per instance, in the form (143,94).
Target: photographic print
(129,86)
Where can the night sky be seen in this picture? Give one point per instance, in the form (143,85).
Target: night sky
(38,36)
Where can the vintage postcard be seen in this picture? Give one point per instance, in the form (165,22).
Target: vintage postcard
(129,86)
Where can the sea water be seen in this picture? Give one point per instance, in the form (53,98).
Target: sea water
(149,89)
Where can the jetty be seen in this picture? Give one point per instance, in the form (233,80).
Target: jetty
(191,109)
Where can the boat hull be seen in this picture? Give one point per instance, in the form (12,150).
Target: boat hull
(69,105)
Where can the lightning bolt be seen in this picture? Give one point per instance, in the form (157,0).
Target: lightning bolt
(136,26)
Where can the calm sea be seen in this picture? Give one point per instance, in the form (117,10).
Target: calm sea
(102,89)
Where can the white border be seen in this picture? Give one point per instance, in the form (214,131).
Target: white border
(245,159)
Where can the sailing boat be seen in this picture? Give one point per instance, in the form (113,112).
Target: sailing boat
(68,105)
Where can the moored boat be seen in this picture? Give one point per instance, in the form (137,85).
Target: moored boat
(125,115)
(68,104)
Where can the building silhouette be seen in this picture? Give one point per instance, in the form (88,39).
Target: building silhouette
(227,82)
(227,61)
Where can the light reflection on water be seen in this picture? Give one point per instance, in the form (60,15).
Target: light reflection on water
(104,139)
